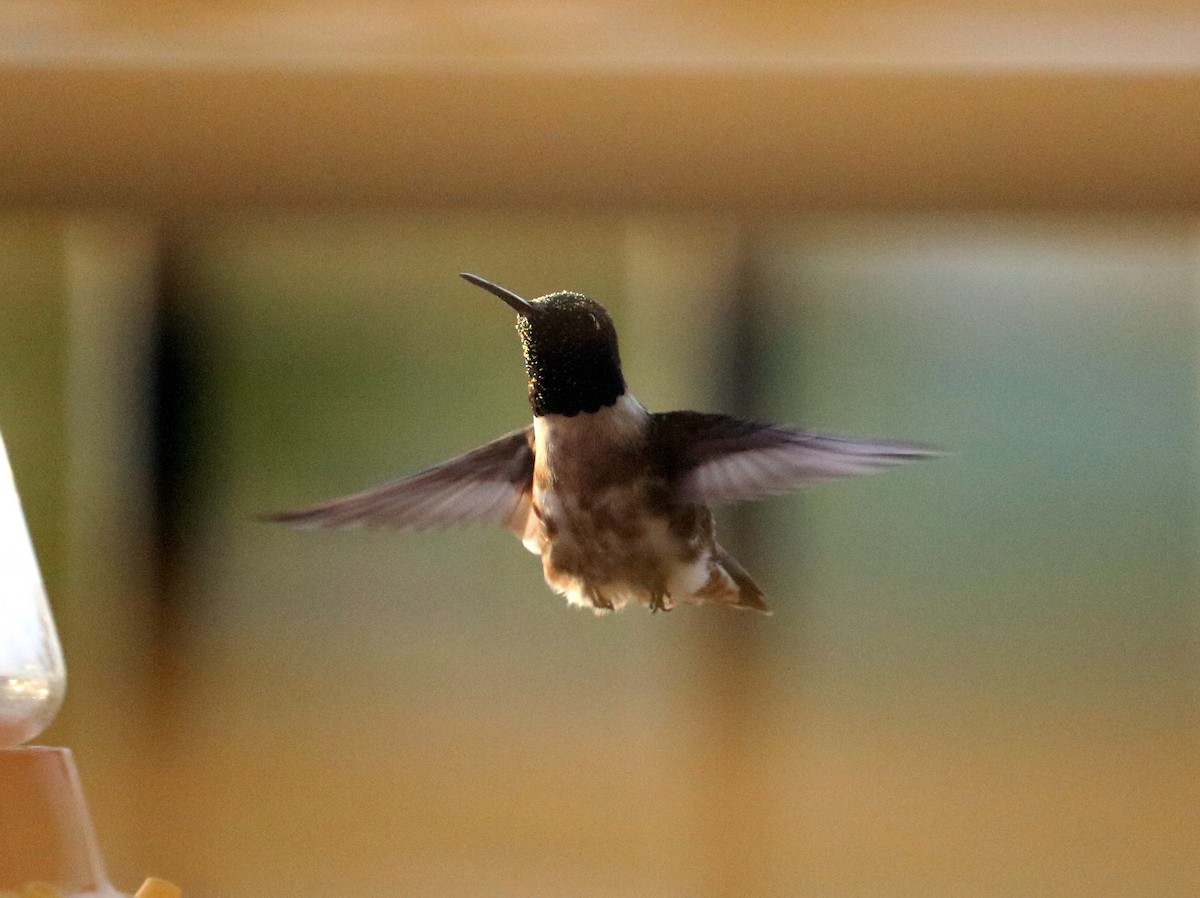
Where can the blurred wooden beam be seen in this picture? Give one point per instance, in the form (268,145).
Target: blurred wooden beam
(188,139)
(188,106)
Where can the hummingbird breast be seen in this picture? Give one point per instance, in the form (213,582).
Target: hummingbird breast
(602,517)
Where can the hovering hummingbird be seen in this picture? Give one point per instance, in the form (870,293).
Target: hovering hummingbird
(615,499)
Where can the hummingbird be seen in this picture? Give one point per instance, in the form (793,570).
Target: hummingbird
(614,498)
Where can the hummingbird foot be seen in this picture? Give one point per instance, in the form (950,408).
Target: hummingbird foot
(600,602)
(658,603)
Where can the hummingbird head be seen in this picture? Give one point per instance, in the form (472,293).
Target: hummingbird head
(571,354)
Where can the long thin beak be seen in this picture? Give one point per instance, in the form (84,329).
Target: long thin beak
(523,307)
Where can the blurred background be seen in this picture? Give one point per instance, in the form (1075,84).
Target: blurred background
(229,246)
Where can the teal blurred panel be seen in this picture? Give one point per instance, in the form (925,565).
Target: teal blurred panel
(991,656)
(1056,362)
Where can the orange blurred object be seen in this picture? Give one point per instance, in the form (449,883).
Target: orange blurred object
(49,844)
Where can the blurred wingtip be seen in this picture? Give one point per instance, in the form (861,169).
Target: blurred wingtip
(298,519)
(920,453)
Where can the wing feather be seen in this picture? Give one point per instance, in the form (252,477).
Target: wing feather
(716,458)
(489,484)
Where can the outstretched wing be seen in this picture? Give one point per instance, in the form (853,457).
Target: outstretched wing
(716,458)
(489,484)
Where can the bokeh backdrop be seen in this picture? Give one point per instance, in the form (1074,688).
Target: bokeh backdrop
(981,676)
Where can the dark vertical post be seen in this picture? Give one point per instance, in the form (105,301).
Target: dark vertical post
(731,643)
(177,368)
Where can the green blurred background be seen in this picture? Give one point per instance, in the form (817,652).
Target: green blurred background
(981,675)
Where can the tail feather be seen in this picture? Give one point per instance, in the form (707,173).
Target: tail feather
(748,594)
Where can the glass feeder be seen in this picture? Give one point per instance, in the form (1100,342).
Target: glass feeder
(47,844)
